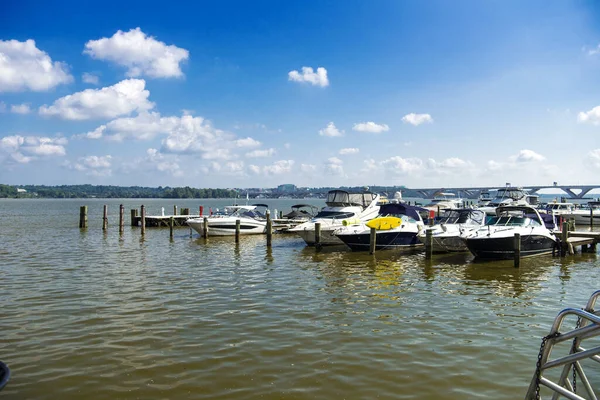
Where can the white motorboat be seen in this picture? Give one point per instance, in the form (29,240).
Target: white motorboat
(396,226)
(300,213)
(252,221)
(583,215)
(562,209)
(452,227)
(484,198)
(510,196)
(340,206)
(443,201)
(495,240)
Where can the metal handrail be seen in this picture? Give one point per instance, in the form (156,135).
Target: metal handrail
(588,325)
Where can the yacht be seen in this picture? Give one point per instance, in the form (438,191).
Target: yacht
(340,206)
(495,240)
(300,213)
(510,196)
(396,226)
(442,201)
(252,221)
(484,198)
(452,227)
(584,214)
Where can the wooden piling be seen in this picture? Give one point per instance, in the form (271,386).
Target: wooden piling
(428,244)
(317,235)
(517,250)
(171,225)
(83,219)
(372,241)
(591,217)
(121,218)
(105,218)
(563,238)
(205,228)
(134,213)
(237,230)
(175,210)
(269,229)
(143,220)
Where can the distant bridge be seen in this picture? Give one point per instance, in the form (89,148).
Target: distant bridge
(474,192)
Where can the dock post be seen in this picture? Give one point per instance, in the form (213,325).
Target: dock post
(517,249)
(121,218)
(205,228)
(318,235)
(269,229)
(134,213)
(105,218)
(174,210)
(280,214)
(563,238)
(201,210)
(143,220)
(372,241)
(83,217)
(237,230)
(591,217)
(428,244)
(171,225)
(438,211)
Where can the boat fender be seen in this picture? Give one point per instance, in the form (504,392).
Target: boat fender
(347,222)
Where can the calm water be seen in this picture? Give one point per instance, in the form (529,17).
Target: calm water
(94,315)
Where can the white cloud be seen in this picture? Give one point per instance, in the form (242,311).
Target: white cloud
(398,166)
(370,127)
(90,78)
(247,142)
(197,135)
(260,153)
(417,119)
(109,102)
(139,53)
(24,149)
(25,67)
(144,126)
(309,168)
(287,146)
(349,150)
(331,131)
(92,165)
(20,108)
(334,166)
(590,117)
(527,156)
(278,167)
(592,159)
(318,78)
(229,168)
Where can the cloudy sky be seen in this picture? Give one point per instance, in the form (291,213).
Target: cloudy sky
(257,94)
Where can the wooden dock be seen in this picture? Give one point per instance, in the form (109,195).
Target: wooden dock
(157,221)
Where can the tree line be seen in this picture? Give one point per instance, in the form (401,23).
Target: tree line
(102,191)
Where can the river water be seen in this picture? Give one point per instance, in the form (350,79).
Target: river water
(94,315)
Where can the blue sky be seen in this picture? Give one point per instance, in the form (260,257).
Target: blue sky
(256,94)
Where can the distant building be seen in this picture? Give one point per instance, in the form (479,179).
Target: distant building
(287,188)
(19,190)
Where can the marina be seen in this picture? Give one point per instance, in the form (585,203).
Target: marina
(103,314)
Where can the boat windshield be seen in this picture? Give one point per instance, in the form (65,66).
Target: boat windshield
(243,212)
(403,217)
(335,214)
(512,221)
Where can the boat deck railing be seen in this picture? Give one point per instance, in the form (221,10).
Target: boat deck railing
(572,382)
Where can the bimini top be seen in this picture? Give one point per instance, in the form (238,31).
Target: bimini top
(341,198)
(402,209)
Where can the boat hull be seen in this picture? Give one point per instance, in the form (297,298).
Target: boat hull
(502,248)
(226,227)
(383,240)
(327,236)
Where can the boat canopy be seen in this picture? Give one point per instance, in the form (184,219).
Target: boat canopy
(298,212)
(510,192)
(341,198)
(524,212)
(462,216)
(402,209)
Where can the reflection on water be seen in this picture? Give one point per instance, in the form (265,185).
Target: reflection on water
(98,315)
